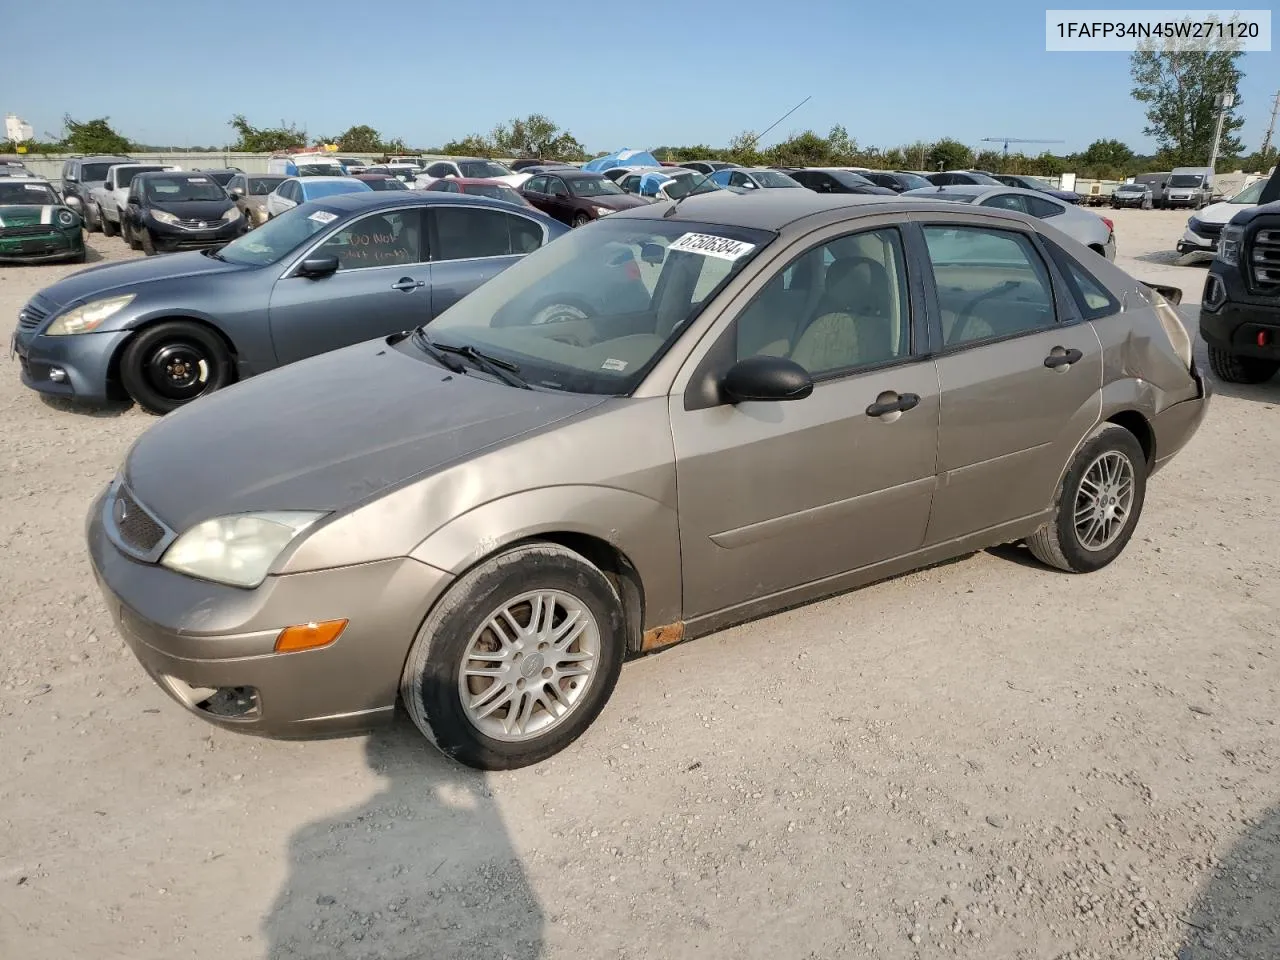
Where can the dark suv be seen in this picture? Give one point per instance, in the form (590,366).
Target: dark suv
(80,175)
(1240,307)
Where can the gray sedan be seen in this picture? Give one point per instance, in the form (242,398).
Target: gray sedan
(1084,226)
(483,519)
(168,330)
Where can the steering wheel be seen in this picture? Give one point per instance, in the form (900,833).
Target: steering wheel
(966,312)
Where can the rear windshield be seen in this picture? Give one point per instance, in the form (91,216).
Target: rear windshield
(182,187)
(482,169)
(593,186)
(912,181)
(320,170)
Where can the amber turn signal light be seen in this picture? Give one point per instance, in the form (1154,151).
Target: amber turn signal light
(309,636)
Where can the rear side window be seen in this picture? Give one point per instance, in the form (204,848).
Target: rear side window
(1044,209)
(1091,297)
(991,284)
(466,234)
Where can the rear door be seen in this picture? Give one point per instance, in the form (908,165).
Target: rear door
(1020,372)
(382,286)
(469,245)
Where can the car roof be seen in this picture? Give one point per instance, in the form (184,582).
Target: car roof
(358,176)
(763,209)
(478,181)
(321,179)
(374,199)
(977,189)
(99,157)
(35,180)
(575,173)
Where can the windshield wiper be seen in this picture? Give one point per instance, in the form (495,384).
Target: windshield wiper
(214,254)
(428,346)
(504,370)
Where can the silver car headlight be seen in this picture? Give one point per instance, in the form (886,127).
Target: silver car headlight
(87,318)
(164,216)
(237,550)
(1229,244)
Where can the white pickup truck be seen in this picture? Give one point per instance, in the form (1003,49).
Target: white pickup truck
(109,198)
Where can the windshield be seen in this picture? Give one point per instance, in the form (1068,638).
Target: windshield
(320,170)
(182,187)
(313,191)
(593,311)
(686,184)
(913,181)
(261,186)
(1132,188)
(125,175)
(771,178)
(983,178)
(41,193)
(592,186)
(1185,180)
(95,171)
(482,169)
(1250,194)
(495,191)
(278,237)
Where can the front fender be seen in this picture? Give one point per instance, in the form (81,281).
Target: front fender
(641,529)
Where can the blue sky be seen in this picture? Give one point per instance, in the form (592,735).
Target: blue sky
(615,75)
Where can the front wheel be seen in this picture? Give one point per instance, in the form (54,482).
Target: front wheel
(146,241)
(1236,369)
(1098,504)
(580,219)
(130,235)
(173,363)
(517,659)
(109,229)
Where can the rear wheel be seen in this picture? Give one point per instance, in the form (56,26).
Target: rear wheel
(580,219)
(517,659)
(1098,504)
(173,363)
(109,229)
(1236,369)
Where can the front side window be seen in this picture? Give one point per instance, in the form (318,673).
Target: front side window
(991,283)
(593,311)
(536,185)
(378,240)
(839,306)
(261,186)
(467,233)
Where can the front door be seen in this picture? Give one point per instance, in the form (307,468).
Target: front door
(471,245)
(1020,378)
(773,495)
(381,287)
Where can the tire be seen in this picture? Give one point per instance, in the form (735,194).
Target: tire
(1059,543)
(1236,369)
(580,219)
(1146,204)
(431,684)
(90,224)
(161,366)
(130,236)
(109,229)
(146,241)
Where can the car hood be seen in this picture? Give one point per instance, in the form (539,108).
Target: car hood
(1220,212)
(110,277)
(196,209)
(25,215)
(343,426)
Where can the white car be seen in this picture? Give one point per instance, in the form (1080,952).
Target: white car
(113,195)
(298,190)
(1200,240)
(468,168)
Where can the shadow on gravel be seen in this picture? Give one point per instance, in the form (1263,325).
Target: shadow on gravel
(424,869)
(99,411)
(1237,915)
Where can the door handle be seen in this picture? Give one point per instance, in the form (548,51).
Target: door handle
(1060,357)
(408,283)
(892,403)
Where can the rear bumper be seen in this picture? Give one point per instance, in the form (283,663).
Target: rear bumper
(193,637)
(1176,425)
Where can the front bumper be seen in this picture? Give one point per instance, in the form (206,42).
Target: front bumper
(55,245)
(170,238)
(84,361)
(1196,246)
(1234,320)
(1129,201)
(193,637)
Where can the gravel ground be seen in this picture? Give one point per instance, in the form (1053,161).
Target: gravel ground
(986,759)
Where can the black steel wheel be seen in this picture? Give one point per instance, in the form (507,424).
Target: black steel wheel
(173,363)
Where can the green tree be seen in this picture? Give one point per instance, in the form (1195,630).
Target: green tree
(742,149)
(535,136)
(361,138)
(947,154)
(1260,161)
(265,139)
(805,149)
(841,148)
(1111,153)
(993,160)
(93,136)
(472,145)
(1179,87)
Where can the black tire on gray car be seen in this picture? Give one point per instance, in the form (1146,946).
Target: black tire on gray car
(1098,504)
(544,686)
(1236,369)
(109,229)
(169,365)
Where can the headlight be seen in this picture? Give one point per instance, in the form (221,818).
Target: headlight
(164,216)
(236,550)
(603,211)
(66,218)
(232,215)
(1229,244)
(72,201)
(89,317)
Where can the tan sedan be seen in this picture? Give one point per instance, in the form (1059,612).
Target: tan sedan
(249,191)
(678,418)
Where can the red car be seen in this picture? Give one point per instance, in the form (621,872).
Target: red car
(492,189)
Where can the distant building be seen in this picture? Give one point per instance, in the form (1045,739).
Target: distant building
(16,129)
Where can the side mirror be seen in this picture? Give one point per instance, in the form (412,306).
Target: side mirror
(766,378)
(561,195)
(236,191)
(653,253)
(317,267)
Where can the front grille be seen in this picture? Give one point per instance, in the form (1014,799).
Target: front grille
(1210,230)
(33,230)
(29,317)
(199,224)
(134,525)
(1264,258)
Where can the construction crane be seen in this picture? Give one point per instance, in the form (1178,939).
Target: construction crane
(1008,140)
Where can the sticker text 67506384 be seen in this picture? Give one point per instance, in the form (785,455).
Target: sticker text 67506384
(712,246)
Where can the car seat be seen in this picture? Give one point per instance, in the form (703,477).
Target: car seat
(854,321)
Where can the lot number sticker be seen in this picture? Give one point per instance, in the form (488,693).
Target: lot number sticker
(722,248)
(197,179)
(323,216)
